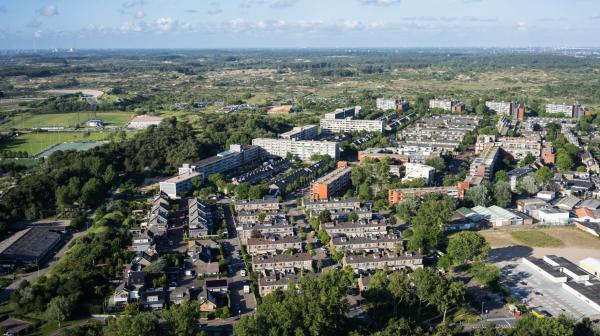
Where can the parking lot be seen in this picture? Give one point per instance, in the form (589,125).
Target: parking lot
(537,291)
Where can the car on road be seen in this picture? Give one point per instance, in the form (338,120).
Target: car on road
(243,272)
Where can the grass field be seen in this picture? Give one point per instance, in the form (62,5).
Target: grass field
(27,120)
(536,238)
(34,143)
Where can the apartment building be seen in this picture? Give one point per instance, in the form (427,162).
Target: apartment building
(441,133)
(404,154)
(304,149)
(330,184)
(390,261)
(331,205)
(500,107)
(236,156)
(398,104)
(281,228)
(179,184)
(447,105)
(398,195)
(567,110)
(270,283)
(253,216)
(483,166)
(262,172)
(269,204)
(517,147)
(329,126)
(343,113)
(418,170)
(200,221)
(307,132)
(369,244)
(273,244)
(282,262)
(360,228)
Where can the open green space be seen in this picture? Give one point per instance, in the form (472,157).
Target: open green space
(34,143)
(536,238)
(27,120)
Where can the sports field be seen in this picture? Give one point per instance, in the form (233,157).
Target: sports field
(34,143)
(27,120)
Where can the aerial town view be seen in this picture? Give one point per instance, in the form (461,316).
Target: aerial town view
(295,167)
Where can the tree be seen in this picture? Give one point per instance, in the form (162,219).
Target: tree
(448,294)
(241,191)
(543,175)
(436,162)
(142,324)
(352,216)
(429,222)
(324,216)
(364,192)
(527,160)
(262,216)
(183,319)
(502,194)
(59,309)
(501,175)
(467,246)
(479,195)
(529,185)
(91,193)
(563,160)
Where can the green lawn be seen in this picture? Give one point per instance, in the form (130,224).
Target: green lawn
(27,120)
(536,238)
(34,143)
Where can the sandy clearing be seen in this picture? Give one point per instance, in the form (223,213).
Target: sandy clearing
(577,245)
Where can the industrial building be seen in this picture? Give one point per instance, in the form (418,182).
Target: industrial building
(29,246)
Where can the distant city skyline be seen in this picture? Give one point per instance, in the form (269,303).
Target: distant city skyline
(43,24)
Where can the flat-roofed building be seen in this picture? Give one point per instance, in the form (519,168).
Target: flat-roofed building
(565,109)
(398,104)
(273,244)
(329,126)
(483,166)
(269,204)
(497,216)
(179,184)
(369,243)
(144,121)
(553,216)
(360,228)
(331,204)
(234,157)
(418,171)
(307,132)
(343,113)
(331,184)
(29,246)
(447,105)
(304,149)
(500,107)
(375,261)
(398,195)
(281,228)
(282,262)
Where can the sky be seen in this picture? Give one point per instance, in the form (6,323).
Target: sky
(84,24)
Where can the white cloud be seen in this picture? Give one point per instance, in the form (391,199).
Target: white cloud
(380,3)
(166,24)
(351,24)
(37,34)
(49,10)
(282,3)
(214,8)
(522,26)
(140,14)
(130,27)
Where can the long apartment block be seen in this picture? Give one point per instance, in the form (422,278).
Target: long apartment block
(331,184)
(303,149)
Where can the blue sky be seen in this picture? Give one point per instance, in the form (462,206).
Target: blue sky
(26,24)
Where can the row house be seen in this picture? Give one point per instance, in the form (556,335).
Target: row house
(273,244)
(390,261)
(282,262)
(360,228)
